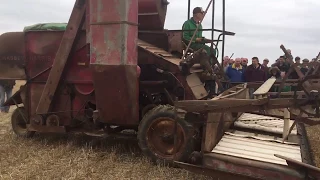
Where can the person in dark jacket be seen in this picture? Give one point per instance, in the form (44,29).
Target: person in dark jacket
(255,72)
(235,71)
(294,74)
(6,87)
(283,65)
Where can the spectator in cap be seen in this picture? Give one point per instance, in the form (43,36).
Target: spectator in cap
(244,63)
(265,65)
(305,66)
(305,60)
(198,42)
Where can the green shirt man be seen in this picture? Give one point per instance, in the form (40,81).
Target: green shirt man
(191,24)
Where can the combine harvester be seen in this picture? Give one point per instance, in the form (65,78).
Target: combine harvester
(114,67)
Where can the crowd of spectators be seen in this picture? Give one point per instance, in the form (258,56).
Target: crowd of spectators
(239,71)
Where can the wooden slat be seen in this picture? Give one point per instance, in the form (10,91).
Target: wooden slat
(69,36)
(265,87)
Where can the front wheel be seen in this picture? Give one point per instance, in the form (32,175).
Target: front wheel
(19,121)
(156,136)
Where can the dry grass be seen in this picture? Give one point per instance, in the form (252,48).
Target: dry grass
(314,139)
(76,157)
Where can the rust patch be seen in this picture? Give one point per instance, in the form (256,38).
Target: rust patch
(116,91)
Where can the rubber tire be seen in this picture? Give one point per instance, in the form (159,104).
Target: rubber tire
(14,117)
(148,119)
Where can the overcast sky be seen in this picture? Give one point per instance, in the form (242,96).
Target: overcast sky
(261,26)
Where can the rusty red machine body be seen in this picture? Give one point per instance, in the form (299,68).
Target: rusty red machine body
(103,59)
(114,67)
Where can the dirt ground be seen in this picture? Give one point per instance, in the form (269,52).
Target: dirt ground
(76,157)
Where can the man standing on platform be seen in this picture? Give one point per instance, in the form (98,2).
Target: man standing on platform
(198,42)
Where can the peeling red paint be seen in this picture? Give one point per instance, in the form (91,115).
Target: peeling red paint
(113,59)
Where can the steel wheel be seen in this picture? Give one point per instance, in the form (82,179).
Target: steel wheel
(156,136)
(19,124)
(160,137)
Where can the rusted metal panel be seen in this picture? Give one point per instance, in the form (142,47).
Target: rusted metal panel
(78,68)
(312,170)
(67,42)
(63,105)
(152,14)
(256,149)
(250,168)
(41,49)
(12,60)
(87,22)
(225,175)
(117,101)
(113,32)
(53,129)
(113,58)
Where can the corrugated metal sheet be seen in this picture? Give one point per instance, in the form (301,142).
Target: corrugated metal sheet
(256,149)
(263,123)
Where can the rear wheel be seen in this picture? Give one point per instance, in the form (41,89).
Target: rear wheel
(156,136)
(19,121)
